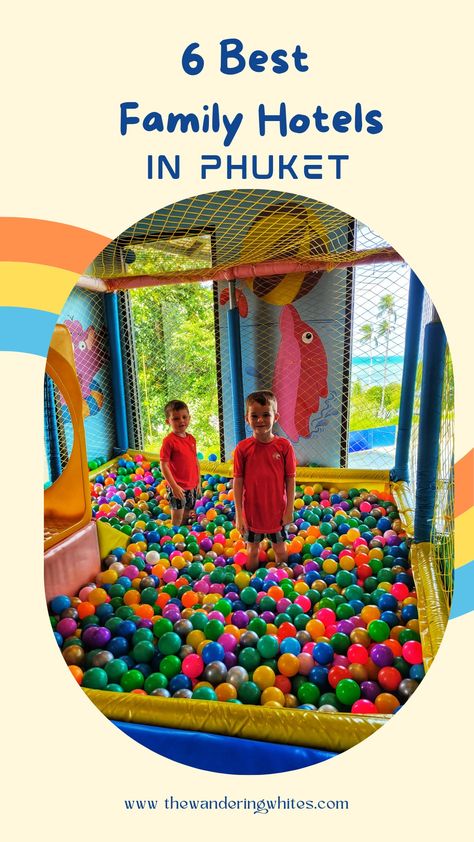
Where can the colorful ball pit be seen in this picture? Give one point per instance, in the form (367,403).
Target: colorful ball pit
(176,613)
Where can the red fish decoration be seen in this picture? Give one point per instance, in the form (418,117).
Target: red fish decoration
(240,300)
(300,375)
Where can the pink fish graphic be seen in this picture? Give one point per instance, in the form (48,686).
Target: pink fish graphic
(300,375)
(89,356)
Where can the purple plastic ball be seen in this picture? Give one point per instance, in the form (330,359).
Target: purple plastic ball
(381,655)
(345,627)
(96,637)
(230,659)
(240,619)
(370,690)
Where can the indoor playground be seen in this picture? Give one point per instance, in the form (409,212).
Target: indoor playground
(163,627)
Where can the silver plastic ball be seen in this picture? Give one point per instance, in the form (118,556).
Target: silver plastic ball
(215,672)
(236,676)
(100,659)
(248,638)
(184,693)
(183,627)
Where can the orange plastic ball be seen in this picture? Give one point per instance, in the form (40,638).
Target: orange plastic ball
(386,703)
(225,691)
(76,672)
(288,664)
(98,596)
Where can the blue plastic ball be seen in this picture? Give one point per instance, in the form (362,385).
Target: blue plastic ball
(212,652)
(118,646)
(323,653)
(59,604)
(290,645)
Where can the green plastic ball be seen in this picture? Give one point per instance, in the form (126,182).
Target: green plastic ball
(348,691)
(95,678)
(132,680)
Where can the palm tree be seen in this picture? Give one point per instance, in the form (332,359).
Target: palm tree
(388,312)
(368,337)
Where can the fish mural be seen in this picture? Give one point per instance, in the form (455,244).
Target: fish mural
(90,356)
(300,377)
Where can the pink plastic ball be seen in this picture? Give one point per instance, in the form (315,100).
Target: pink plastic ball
(326,615)
(215,587)
(66,627)
(340,661)
(216,615)
(84,592)
(363,706)
(229,642)
(169,575)
(131,571)
(357,654)
(412,652)
(400,591)
(306,662)
(283,604)
(303,602)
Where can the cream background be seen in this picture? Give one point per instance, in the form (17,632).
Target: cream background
(65,72)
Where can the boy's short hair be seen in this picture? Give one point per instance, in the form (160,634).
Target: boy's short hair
(174,406)
(263,397)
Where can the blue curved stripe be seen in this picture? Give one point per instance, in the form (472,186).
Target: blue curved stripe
(215,753)
(463,597)
(25,330)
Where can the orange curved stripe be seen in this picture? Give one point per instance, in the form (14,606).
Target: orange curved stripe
(464,483)
(49,243)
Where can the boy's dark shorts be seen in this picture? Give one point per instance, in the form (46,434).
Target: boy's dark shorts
(190,497)
(275,537)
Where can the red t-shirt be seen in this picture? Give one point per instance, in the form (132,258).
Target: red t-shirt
(264,468)
(180,452)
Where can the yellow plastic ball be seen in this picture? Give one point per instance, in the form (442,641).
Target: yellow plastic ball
(272,694)
(264,677)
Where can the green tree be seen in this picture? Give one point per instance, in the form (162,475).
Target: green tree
(368,337)
(388,314)
(175,346)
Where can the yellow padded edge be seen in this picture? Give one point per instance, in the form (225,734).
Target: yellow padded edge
(326,731)
(331,476)
(404,500)
(433,609)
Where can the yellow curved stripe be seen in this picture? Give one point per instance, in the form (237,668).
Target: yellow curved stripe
(34,286)
(463,532)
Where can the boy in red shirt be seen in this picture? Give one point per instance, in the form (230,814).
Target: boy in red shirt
(264,480)
(179,464)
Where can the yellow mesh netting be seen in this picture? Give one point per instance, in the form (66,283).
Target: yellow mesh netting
(216,231)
